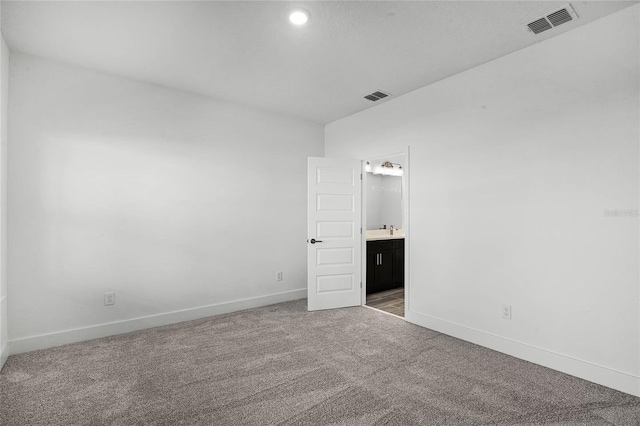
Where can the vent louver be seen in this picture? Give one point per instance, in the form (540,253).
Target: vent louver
(376,96)
(559,17)
(539,26)
(552,20)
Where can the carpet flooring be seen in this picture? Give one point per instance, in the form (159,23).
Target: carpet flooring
(282,365)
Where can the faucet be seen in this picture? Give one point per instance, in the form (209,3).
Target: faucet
(391,230)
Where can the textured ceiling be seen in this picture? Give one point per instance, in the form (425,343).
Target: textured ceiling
(247,52)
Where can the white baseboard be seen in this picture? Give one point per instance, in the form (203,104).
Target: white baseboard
(4,354)
(50,340)
(594,373)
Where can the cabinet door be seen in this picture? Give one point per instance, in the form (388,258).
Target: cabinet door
(399,264)
(385,270)
(385,265)
(372,260)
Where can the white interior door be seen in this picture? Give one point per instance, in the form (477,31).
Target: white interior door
(334,233)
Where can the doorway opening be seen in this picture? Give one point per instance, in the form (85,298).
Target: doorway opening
(385,236)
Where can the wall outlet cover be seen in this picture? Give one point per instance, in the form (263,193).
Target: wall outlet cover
(110,298)
(506,311)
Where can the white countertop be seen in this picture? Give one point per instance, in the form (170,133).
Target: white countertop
(384,234)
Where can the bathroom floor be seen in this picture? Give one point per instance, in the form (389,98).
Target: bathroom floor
(391,301)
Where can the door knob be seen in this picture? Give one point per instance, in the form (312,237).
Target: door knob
(313,241)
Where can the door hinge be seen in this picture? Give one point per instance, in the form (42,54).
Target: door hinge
(360,231)
(360,176)
(360,284)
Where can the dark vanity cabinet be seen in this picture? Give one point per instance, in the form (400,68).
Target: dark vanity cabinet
(385,265)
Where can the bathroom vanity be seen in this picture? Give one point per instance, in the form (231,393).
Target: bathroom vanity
(385,261)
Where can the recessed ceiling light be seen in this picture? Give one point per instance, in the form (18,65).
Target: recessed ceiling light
(299,16)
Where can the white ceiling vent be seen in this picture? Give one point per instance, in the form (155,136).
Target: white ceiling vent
(551,20)
(376,96)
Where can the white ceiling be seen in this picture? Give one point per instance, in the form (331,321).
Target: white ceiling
(248,52)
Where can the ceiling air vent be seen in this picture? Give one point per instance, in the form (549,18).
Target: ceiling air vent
(539,26)
(559,17)
(376,96)
(551,20)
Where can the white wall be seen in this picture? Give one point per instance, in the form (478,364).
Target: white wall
(374,202)
(171,200)
(512,166)
(4,97)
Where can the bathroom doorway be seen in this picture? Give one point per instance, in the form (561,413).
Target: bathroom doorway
(385,234)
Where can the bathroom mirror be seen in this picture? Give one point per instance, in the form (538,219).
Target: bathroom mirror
(384,198)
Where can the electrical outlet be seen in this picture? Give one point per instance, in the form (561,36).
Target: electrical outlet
(279,276)
(506,311)
(110,298)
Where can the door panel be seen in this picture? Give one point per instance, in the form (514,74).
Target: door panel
(334,202)
(328,175)
(334,223)
(334,256)
(334,230)
(334,283)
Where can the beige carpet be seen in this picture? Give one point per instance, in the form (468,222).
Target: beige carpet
(283,365)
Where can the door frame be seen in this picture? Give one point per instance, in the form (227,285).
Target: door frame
(405,225)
